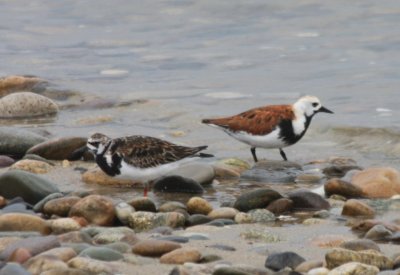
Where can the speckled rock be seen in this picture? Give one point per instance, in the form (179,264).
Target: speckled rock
(340,256)
(16,142)
(142,221)
(26,104)
(197,205)
(354,268)
(355,207)
(259,198)
(33,166)
(95,209)
(143,204)
(343,188)
(181,256)
(99,177)
(360,244)
(64,225)
(378,182)
(154,248)
(261,216)
(123,211)
(30,187)
(60,206)
(278,261)
(23,222)
(223,213)
(58,148)
(104,235)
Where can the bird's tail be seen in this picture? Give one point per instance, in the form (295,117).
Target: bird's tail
(204,155)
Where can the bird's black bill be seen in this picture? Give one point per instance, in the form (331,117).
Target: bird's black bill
(325,110)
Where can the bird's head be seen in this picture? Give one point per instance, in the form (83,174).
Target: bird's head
(310,105)
(96,142)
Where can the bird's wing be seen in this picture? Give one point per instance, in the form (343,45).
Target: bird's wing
(146,152)
(257,121)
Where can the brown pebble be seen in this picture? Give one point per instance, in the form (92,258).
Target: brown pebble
(20,255)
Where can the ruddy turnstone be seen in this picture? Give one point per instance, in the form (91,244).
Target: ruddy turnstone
(274,126)
(141,158)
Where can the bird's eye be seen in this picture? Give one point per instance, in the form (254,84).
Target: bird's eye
(315,104)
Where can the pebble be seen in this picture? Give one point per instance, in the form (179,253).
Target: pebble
(13,269)
(223,213)
(123,210)
(143,221)
(278,261)
(6,161)
(306,266)
(75,237)
(280,206)
(198,219)
(260,236)
(41,263)
(222,247)
(329,241)
(62,253)
(97,176)
(33,166)
(339,256)
(307,200)
(378,182)
(197,205)
(16,142)
(30,187)
(64,225)
(102,254)
(34,245)
(259,198)
(96,209)
(38,207)
(273,171)
(261,216)
(58,148)
(378,232)
(90,265)
(143,204)
(23,222)
(119,247)
(230,168)
(354,268)
(106,235)
(181,256)
(202,173)
(318,271)
(337,186)
(60,206)
(177,239)
(64,271)
(339,171)
(26,104)
(355,207)
(177,184)
(154,248)
(360,244)
(20,255)
(13,83)
(171,206)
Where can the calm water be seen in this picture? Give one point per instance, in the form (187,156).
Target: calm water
(196,59)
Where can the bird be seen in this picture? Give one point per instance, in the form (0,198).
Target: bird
(142,158)
(271,126)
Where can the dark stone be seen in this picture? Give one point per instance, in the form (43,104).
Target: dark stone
(208,258)
(15,142)
(280,206)
(339,171)
(340,187)
(259,198)
(30,187)
(177,184)
(198,219)
(6,161)
(143,204)
(360,244)
(227,270)
(59,148)
(225,221)
(307,200)
(278,261)
(177,239)
(216,223)
(223,247)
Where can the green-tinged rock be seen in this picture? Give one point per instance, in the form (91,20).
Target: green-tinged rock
(259,198)
(260,235)
(101,253)
(30,187)
(16,141)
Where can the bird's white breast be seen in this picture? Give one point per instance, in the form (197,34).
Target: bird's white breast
(271,140)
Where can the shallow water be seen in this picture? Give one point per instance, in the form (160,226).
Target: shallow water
(196,59)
